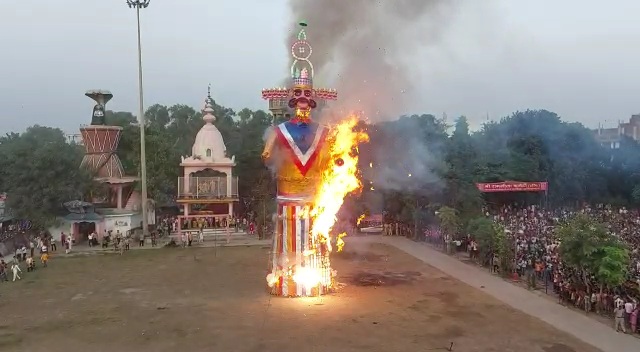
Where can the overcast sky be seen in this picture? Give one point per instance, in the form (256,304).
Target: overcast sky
(578,58)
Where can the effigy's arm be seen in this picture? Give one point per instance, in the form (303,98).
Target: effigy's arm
(269,144)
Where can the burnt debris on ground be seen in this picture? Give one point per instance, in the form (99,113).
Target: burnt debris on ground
(384,278)
(362,256)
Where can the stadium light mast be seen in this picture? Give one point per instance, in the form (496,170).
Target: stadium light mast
(141,4)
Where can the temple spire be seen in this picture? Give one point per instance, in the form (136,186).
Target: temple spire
(208,107)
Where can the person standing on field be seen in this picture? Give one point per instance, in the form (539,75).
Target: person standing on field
(15,269)
(619,319)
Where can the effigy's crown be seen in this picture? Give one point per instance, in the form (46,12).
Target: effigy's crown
(302,68)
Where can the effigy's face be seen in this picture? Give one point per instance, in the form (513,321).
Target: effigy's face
(302,102)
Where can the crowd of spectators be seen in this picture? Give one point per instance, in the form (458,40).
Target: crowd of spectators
(537,259)
(27,247)
(9,229)
(536,248)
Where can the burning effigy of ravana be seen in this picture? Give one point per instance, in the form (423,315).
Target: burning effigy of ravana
(315,168)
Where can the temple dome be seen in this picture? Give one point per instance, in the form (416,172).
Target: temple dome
(209,145)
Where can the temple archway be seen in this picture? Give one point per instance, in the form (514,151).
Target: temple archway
(208,172)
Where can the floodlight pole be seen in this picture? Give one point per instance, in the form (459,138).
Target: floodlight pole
(142,4)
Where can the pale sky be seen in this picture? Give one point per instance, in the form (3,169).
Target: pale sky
(578,58)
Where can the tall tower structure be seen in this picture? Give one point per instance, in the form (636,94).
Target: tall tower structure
(100,158)
(100,141)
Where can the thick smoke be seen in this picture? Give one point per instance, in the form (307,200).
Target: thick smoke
(366,49)
(405,156)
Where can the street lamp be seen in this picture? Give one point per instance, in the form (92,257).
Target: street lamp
(141,4)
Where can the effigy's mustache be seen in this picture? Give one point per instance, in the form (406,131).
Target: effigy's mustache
(294,102)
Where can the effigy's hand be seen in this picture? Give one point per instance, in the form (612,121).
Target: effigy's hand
(269,144)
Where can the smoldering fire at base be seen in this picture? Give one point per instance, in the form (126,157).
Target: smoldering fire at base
(316,170)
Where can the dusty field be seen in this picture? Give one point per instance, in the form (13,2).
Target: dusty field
(191,300)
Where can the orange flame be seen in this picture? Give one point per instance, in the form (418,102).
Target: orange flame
(339,179)
(340,241)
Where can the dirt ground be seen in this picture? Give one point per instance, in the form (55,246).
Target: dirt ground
(215,300)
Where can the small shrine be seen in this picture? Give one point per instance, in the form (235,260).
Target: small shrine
(207,188)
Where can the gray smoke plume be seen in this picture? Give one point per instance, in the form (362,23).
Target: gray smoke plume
(406,156)
(367,48)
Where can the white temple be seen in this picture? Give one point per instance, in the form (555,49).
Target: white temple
(209,152)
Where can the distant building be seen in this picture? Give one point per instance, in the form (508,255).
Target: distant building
(611,137)
(281,111)
(74,138)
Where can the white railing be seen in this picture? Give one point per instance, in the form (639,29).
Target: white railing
(208,187)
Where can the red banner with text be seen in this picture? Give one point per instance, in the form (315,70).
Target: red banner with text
(513,186)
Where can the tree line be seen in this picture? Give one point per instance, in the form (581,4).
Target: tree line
(440,163)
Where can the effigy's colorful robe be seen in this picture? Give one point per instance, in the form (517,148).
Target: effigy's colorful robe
(299,157)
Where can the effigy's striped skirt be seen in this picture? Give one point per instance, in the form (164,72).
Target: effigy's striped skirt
(292,245)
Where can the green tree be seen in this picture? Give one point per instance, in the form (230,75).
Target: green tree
(157,116)
(163,167)
(462,161)
(253,176)
(536,145)
(40,172)
(5,142)
(582,242)
(505,249)
(449,220)
(163,158)
(450,224)
(635,194)
(484,233)
(129,146)
(611,266)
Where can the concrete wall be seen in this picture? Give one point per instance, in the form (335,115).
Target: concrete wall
(122,223)
(63,226)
